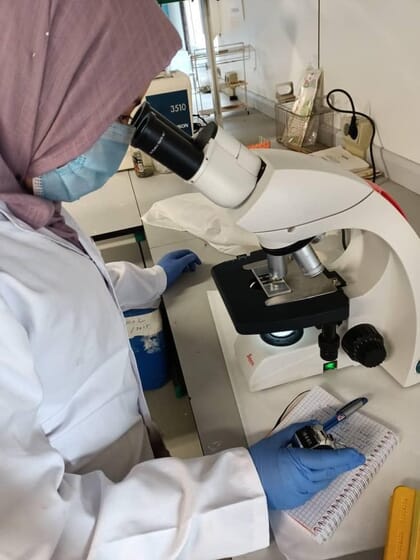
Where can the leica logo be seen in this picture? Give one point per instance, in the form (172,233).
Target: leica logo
(250,359)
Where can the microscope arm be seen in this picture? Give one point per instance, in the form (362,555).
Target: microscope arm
(281,196)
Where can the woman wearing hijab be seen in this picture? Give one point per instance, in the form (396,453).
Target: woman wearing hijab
(77,479)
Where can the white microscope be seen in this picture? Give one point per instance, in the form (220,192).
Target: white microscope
(296,317)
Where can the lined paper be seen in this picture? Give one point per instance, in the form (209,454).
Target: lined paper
(322,515)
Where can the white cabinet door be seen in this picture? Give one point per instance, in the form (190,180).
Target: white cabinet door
(111,208)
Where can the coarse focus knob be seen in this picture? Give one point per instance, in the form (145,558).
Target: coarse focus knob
(364,344)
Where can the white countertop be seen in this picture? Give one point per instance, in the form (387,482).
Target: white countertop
(112,208)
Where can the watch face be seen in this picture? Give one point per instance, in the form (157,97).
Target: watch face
(306,437)
(312,437)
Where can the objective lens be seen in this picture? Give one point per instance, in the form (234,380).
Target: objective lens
(277,265)
(308,261)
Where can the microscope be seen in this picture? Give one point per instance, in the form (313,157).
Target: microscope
(296,316)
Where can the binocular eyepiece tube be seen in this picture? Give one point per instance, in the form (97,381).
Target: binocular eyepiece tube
(165,142)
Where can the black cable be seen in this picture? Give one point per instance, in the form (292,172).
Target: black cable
(352,131)
(287,409)
(200,117)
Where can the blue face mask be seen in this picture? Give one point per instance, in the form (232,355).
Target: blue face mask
(89,171)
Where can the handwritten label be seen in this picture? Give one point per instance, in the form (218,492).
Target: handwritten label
(149,324)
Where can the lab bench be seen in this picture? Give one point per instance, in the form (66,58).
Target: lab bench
(212,400)
(110,215)
(211,395)
(202,362)
(110,209)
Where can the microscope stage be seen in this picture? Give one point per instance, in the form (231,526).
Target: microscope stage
(300,302)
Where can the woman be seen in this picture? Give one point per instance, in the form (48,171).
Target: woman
(75,432)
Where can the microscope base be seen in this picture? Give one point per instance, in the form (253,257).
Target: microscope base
(267,366)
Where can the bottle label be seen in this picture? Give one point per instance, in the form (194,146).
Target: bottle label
(149,324)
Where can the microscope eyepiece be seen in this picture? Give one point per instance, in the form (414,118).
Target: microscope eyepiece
(144,109)
(216,163)
(205,134)
(165,142)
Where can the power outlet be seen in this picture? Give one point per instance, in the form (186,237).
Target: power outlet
(360,144)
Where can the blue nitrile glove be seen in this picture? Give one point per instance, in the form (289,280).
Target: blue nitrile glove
(291,476)
(177,262)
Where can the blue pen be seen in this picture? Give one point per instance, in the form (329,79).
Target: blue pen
(344,412)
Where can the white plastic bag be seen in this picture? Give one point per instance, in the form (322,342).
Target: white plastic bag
(196,214)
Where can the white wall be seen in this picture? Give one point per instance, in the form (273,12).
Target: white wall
(372,49)
(369,47)
(283,32)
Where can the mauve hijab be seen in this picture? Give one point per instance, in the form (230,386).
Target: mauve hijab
(68,70)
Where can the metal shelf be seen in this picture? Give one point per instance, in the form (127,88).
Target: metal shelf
(232,53)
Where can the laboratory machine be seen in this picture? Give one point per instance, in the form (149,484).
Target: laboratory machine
(296,313)
(170,94)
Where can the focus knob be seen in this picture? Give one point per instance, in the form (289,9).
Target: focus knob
(365,345)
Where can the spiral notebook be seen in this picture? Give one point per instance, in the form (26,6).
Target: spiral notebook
(322,515)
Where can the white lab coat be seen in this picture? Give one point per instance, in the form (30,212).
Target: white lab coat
(68,391)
